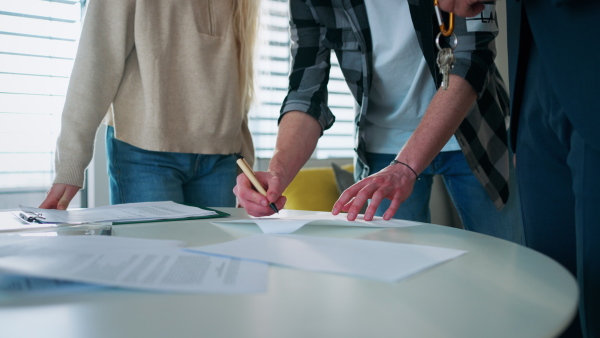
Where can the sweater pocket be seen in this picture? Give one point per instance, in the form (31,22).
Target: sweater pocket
(213,16)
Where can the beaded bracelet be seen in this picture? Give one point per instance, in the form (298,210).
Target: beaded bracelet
(406,165)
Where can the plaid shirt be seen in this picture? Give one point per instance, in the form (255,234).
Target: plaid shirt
(319,26)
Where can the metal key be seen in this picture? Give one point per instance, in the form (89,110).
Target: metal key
(445,61)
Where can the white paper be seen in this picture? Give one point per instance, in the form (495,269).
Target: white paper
(290,223)
(19,285)
(129,212)
(10,222)
(10,245)
(13,244)
(15,284)
(162,268)
(371,259)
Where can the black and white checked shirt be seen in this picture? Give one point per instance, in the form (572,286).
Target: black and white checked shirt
(319,26)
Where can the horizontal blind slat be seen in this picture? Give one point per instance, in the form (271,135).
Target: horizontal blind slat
(273,66)
(38,42)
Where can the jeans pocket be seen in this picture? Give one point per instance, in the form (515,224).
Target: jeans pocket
(213,16)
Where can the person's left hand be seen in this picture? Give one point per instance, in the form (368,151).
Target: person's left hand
(393,182)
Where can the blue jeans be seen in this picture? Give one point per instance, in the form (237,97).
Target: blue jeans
(475,208)
(138,175)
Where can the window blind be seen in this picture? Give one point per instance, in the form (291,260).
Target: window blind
(38,41)
(273,66)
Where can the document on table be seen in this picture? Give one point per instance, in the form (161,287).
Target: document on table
(11,285)
(290,223)
(129,212)
(18,243)
(110,261)
(21,285)
(384,261)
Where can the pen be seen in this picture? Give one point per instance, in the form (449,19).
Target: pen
(248,171)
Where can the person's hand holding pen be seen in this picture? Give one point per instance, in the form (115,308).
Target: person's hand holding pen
(258,192)
(296,141)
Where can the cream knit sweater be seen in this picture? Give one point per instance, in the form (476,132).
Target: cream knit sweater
(168,71)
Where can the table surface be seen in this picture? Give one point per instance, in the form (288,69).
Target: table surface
(497,289)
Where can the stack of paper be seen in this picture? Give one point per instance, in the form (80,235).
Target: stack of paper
(121,262)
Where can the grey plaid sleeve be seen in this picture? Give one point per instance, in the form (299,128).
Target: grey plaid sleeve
(309,74)
(476,50)
(483,133)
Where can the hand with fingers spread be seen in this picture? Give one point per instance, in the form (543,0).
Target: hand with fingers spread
(393,182)
(254,202)
(59,196)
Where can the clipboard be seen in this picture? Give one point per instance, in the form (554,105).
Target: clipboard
(218,215)
(129,213)
(13,223)
(31,217)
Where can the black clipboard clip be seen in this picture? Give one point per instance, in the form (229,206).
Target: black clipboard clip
(31,217)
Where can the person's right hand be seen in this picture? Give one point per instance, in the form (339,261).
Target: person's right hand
(255,203)
(59,196)
(464,8)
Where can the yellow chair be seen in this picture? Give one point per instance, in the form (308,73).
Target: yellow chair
(315,189)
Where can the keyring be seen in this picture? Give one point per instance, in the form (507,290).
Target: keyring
(437,41)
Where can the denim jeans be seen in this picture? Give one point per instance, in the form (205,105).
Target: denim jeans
(138,175)
(475,208)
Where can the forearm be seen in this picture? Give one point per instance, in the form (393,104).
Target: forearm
(296,141)
(106,40)
(445,113)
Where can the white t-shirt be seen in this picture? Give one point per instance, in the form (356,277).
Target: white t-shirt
(402,84)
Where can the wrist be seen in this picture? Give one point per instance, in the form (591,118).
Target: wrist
(280,170)
(405,165)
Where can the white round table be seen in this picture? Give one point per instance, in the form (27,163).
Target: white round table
(498,289)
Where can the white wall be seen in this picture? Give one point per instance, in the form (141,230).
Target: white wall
(97,173)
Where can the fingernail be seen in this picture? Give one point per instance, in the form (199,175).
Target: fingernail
(335,211)
(351,216)
(264,203)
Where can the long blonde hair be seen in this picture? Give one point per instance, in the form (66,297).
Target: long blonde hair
(246,18)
